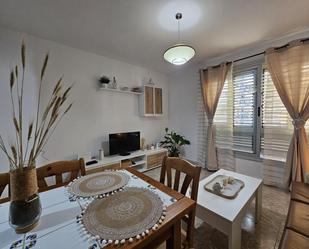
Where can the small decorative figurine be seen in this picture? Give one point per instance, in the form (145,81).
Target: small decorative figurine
(230,180)
(101,154)
(225,181)
(114,83)
(143,143)
(217,188)
(150,82)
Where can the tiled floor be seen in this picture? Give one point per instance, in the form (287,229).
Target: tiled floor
(265,235)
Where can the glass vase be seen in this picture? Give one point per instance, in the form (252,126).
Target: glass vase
(25,205)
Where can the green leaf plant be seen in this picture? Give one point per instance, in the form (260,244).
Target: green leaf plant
(173,142)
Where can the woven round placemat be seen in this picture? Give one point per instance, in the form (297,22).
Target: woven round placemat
(123,215)
(98,183)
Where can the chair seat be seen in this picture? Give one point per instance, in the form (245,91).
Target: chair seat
(298,219)
(300,192)
(294,240)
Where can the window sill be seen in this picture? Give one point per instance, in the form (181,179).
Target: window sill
(254,157)
(276,159)
(247,156)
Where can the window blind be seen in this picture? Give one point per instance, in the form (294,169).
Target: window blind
(224,117)
(221,116)
(276,123)
(201,128)
(223,121)
(244,90)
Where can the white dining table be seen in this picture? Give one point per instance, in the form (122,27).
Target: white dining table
(57,227)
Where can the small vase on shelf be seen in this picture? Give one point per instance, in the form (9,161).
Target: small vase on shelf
(104,80)
(143,143)
(114,83)
(101,154)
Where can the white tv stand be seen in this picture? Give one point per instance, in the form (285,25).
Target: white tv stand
(142,160)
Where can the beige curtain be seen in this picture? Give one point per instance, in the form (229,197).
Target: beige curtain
(212,82)
(289,69)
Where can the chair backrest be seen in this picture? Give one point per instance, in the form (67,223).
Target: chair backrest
(4,181)
(74,167)
(192,174)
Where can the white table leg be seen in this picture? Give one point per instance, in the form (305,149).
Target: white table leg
(235,236)
(258,203)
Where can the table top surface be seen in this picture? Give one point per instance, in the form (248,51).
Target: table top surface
(227,208)
(58,227)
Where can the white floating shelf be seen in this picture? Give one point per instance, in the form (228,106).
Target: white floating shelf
(119,91)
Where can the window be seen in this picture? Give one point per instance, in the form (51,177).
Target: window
(244,122)
(251,120)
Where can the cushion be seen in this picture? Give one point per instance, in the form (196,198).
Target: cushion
(298,218)
(300,192)
(293,240)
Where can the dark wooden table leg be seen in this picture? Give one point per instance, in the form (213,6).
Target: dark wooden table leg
(174,242)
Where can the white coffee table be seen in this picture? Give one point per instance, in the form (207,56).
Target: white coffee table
(226,215)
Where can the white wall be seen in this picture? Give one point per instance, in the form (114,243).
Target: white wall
(9,57)
(183,91)
(183,99)
(95,113)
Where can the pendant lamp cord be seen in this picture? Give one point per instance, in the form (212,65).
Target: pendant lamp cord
(178,16)
(178,30)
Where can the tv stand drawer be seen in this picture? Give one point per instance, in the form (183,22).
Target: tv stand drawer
(112,166)
(102,168)
(155,160)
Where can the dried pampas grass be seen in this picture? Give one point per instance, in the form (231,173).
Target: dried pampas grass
(40,130)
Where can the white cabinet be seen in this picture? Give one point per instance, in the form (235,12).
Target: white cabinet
(151,101)
(141,160)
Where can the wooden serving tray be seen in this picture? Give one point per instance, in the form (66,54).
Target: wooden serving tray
(229,191)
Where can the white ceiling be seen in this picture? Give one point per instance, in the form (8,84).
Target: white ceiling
(138,31)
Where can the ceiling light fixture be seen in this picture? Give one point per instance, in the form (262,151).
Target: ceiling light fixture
(180,53)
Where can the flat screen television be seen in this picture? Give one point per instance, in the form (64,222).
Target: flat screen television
(124,143)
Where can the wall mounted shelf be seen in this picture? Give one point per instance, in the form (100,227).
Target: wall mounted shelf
(119,91)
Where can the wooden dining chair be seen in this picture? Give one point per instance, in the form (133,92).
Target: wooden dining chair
(56,169)
(4,181)
(192,177)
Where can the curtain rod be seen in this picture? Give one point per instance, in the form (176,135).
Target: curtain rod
(248,57)
(276,48)
(240,59)
(261,53)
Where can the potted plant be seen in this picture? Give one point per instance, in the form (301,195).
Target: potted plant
(173,142)
(104,81)
(23,151)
